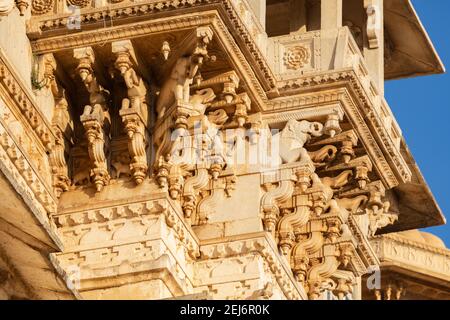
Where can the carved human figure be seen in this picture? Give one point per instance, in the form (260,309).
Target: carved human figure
(293,137)
(176,88)
(136,89)
(97,94)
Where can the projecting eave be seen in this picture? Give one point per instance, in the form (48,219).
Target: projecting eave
(409,51)
(417,206)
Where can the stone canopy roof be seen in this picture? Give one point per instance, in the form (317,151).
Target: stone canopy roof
(409,50)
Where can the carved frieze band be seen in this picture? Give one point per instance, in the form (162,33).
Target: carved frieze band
(15,166)
(396,249)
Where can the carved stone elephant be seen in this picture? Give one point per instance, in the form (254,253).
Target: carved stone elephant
(293,138)
(176,87)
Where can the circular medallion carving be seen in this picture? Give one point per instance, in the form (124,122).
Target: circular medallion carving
(39,7)
(79,3)
(297,57)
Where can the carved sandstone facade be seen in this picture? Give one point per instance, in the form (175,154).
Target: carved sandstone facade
(169,149)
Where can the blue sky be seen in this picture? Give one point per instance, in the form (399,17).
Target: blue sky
(422,108)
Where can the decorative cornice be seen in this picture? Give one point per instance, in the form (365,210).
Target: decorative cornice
(411,243)
(261,245)
(40,25)
(110,215)
(27,183)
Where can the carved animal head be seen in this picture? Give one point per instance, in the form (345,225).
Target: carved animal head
(299,128)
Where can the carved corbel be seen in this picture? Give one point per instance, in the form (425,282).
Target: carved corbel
(332,126)
(373,23)
(304,248)
(191,188)
(321,272)
(61,124)
(162,176)
(333,229)
(306,200)
(207,203)
(58,164)
(346,253)
(242,108)
(270,200)
(204,36)
(347,141)
(176,181)
(378,209)
(137,145)
(95,117)
(343,288)
(134,109)
(93,125)
(362,172)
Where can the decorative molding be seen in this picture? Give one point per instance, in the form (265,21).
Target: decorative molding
(20,173)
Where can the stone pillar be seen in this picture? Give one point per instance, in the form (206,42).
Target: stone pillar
(331,14)
(330,22)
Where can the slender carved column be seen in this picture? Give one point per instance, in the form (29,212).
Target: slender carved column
(134,109)
(62,125)
(95,118)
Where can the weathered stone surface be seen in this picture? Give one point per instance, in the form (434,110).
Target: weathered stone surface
(226,149)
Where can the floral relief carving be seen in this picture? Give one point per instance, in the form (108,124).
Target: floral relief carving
(297,57)
(39,7)
(79,3)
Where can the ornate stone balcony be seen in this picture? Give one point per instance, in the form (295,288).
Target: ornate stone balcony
(412,250)
(154,119)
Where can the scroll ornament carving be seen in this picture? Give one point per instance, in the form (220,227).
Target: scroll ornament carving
(95,118)
(61,123)
(39,7)
(58,163)
(306,209)
(93,125)
(373,25)
(134,113)
(191,145)
(79,3)
(297,57)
